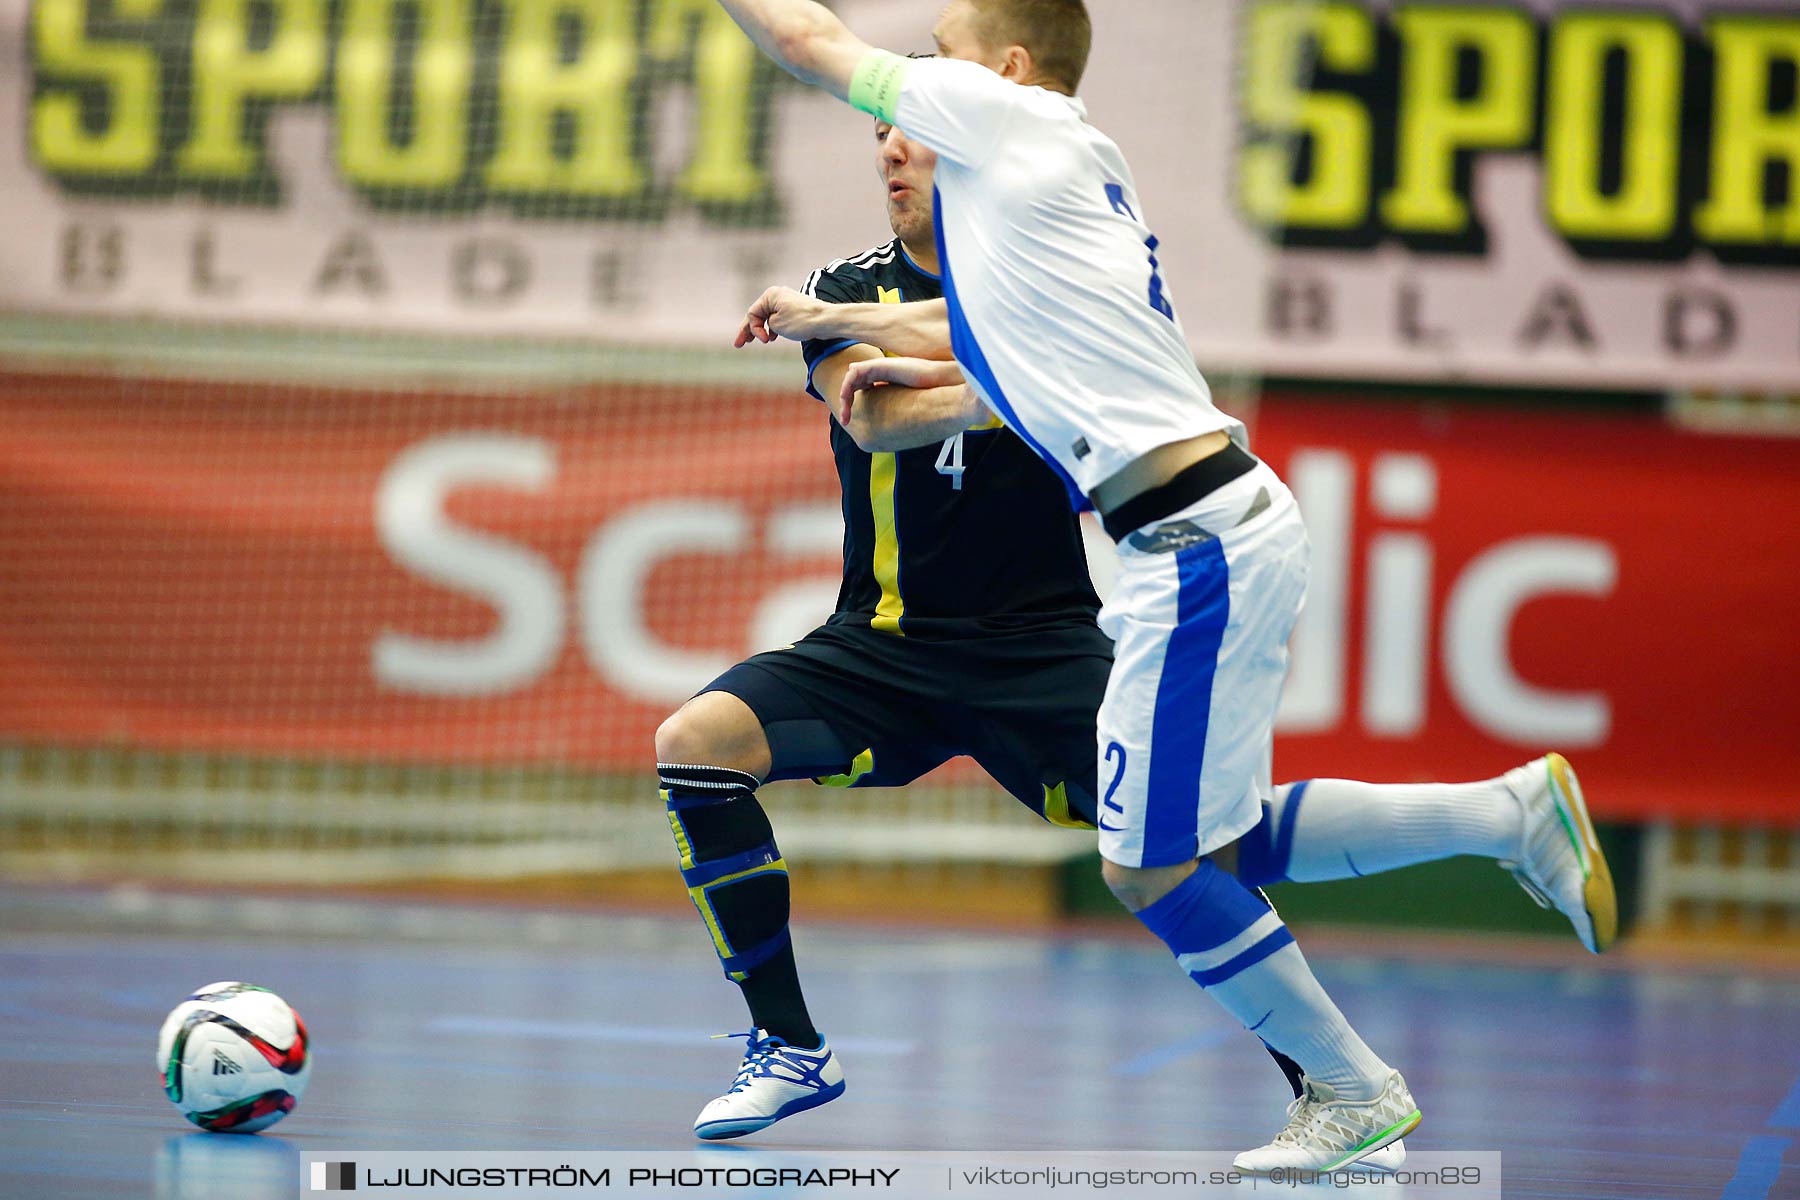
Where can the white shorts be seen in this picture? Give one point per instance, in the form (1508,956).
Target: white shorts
(1201,615)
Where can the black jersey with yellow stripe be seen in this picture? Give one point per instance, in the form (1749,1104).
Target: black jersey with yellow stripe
(946,540)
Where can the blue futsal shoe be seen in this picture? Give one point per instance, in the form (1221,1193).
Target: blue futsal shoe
(777,1080)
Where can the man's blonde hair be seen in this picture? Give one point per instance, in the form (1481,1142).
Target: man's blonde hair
(1058,34)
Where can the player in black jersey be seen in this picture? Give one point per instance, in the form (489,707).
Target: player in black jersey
(965,626)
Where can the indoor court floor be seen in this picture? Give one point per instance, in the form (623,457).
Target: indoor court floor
(464,1026)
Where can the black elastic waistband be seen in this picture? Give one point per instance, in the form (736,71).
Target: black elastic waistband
(1204,477)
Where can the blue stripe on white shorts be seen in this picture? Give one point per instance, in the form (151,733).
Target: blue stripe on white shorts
(1186,728)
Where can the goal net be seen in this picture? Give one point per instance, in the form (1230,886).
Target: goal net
(374,475)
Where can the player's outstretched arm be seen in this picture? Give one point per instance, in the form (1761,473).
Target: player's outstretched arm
(805,39)
(919,329)
(916,330)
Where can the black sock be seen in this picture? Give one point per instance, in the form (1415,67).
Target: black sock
(736,875)
(1295,1076)
(773,993)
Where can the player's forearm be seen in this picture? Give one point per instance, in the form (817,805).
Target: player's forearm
(917,330)
(890,419)
(805,39)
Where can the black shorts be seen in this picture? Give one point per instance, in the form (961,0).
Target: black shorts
(853,707)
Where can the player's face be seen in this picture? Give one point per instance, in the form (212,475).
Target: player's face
(958,36)
(906,169)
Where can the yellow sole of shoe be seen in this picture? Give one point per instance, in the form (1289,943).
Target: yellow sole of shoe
(1598,896)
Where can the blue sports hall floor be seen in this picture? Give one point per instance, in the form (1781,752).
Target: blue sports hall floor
(469,1026)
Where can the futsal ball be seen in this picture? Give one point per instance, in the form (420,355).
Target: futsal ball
(233,1057)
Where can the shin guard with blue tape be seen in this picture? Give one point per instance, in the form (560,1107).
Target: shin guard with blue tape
(738,882)
(734,873)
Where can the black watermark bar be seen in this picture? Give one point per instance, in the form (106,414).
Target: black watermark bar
(743,1171)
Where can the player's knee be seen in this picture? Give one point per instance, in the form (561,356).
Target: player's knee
(715,729)
(1137,888)
(683,739)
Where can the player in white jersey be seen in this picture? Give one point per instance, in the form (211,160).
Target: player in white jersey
(1063,326)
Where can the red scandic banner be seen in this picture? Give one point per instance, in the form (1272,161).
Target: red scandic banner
(200,566)
(1690,638)
(541,577)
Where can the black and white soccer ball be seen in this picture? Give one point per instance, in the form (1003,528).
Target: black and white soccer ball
(233,1057)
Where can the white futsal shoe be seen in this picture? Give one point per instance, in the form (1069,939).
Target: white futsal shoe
(777,1080)
(1325,1133)
(1390,1157)
(1559,863)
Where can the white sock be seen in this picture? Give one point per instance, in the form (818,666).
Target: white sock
(1343,828)
(1279,1000)
(1230,942)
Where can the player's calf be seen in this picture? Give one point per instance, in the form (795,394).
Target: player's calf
(1232,943)
(738,882)
(1533,820)
(734,872)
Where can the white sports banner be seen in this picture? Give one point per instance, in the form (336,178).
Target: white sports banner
(1512,192)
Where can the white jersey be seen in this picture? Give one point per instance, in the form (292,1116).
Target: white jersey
(1059,315)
